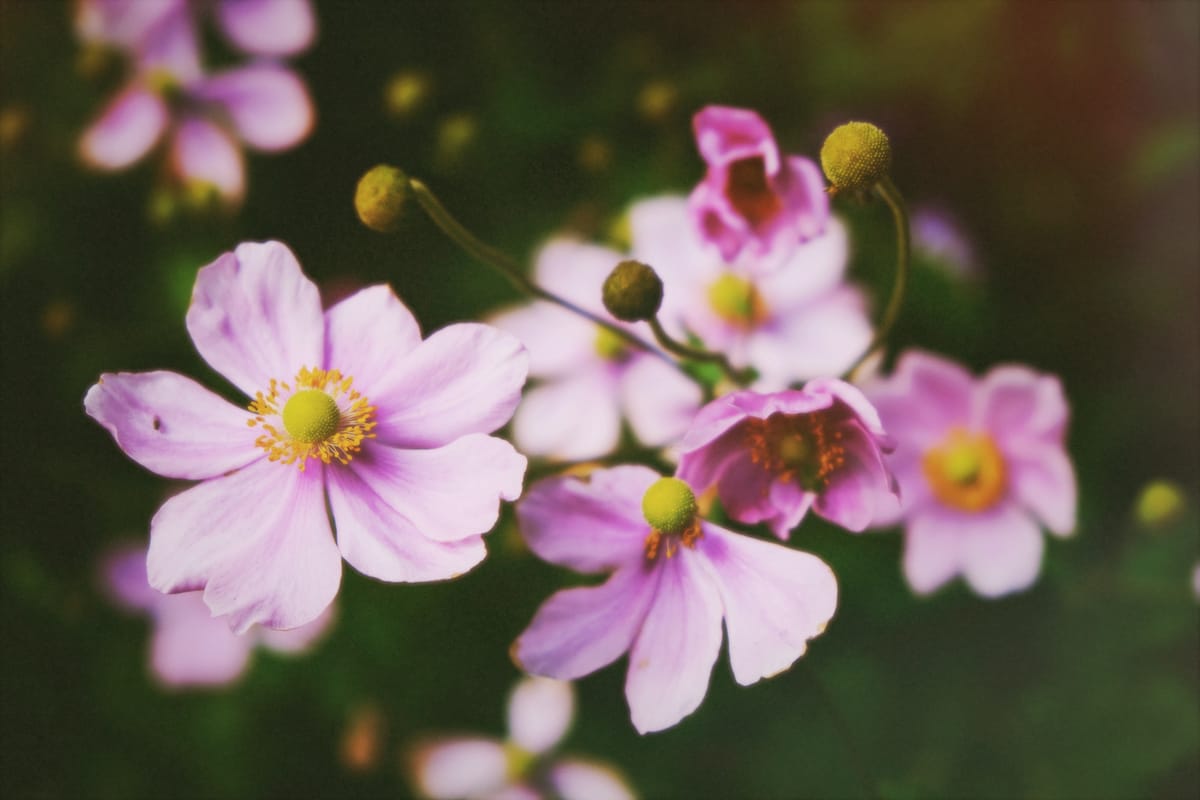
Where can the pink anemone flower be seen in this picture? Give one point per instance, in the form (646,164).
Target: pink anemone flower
(351,411)
(982,467)
(190,647)
(796,322)
(772,457)
(753,199)
(526,765)
(674,578)
(590,378)
(204,118)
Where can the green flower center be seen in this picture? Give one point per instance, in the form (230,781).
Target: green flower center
(669,505)
(311,416)
(735,300)
(609,346)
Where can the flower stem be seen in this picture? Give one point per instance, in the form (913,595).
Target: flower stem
(890,195)
(738,376)
(506,266)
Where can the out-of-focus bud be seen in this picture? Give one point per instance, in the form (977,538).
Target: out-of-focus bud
(595,154)
(14,124)
(380,198)
(1160,503)
(633,291)
(657,100)
(405,93)
(455,136)
(856,156)
(362,741)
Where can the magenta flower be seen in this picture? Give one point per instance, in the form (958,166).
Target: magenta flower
(351,410)
(190,647)
(540,712)
(981,466)
(674,577)
(589,377)
(203,117)
(752,198)
(774,456)
(796,322)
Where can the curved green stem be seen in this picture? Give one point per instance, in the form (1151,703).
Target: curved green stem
(738,376)
(890,195)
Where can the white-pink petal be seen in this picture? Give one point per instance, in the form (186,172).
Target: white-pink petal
(268,27)
(570,418)
(191,648)
(465,767)
(172,425)
(126,130)
(540,711)
(578,779)
(558,341)
(673,655)
(659,401)
(1002,551)
(202,152)
(268,104)
(366,336)
(255,316)
(1043,481)
(1015,403)
(933,548)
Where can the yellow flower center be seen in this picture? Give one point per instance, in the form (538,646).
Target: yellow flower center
(322,417)
(735,300)
(966,471)
(669,505)
(609,346)
(806,448)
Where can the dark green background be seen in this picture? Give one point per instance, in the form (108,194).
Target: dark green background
(1063,135)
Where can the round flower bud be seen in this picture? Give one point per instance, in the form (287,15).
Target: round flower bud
(856,155)
(633,291)
(380,198)
(1160,504)
(669,505)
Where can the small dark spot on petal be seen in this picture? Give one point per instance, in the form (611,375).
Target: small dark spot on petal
(157,423)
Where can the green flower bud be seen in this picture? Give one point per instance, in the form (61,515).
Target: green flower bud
(633,291)
(381,197)
(1159,504)
(856,156)
(669,505)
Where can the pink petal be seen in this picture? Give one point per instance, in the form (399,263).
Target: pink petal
(803,188)
(378,541)
(662,236)
(926,396)
(557,340)
(578,631)
(297,640)
(268,27)
(590,525)
(121,22)
(451,769)
(204,153)
(192,648)
(367,334)
(1017,403)
(673,656)
(447,493)
(123,573)
(255,316)
(172,425)
(540,711)
(257,541)
(725,134)
(576,271)
(464,379)
(577,779)
(268,105)
(547,423)
(659,401)
(822,338)
(1002,551)
(934,542)
(1043,480)
(791,502)
(775,600)
(814,269)
(126,131)
(862,488)
(171,45)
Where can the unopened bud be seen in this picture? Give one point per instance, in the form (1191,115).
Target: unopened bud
(380,198)
(856,156)
(633,291)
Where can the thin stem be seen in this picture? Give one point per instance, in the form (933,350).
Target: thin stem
(506,266)
(891,195)
(739,376)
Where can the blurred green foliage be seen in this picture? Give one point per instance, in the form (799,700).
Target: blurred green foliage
(1063,135)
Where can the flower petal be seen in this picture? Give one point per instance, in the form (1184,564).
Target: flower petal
(1002,551)
(378,541)
(588,524)
(268,27)
(814,269)
(464,379)
(297,640)
(547,423)
(1043,480)
(203,153)
(123,574)
(1015,402)
(934,541)
(775,600)
(447,493)
(576,271)
(257,541)
(367,333)
(578,631)
(268,105)
(659,401)
(822,338)
(925,396)
(577,779)
(557,340)
(255,316)
(172,425)
(192,648)
(673,656)
(540,711)
(126,131)
(450,769)
(860,490)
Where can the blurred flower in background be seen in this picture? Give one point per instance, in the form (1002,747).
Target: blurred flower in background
(190,647)
(940,238)
(526,765)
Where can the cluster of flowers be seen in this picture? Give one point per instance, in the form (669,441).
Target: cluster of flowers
(203,115)
(358,426)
